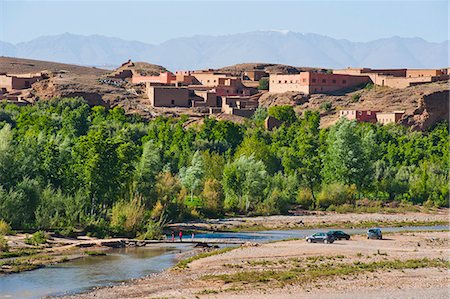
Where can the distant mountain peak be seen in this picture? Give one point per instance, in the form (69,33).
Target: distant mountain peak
(271,46)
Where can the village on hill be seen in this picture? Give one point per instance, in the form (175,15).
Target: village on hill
(230,93)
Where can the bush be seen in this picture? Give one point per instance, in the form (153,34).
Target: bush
(67,232)
(263,84)
(305,199)
(97,229)
(327,106)
(3,244)
(336,194)
(355,98)
(5,228)
(154,231)
(369,86)
(37,238)
(127,217)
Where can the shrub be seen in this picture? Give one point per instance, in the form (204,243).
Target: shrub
(37,238)
(263,84)
(97,229)
(127,217)
(305,199)
(355,98)
(5,228)
(336,194)
(3,244)
(67,232)
(326,106)
(154,231)
(369,86)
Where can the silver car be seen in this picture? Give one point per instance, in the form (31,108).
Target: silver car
(374,233)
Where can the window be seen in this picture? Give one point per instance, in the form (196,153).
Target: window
(172,102)
(359,113)
(344,81)
(291,81)
(285,81)
(207,81)
(304,80)
(279,81)
(324,81)
(314,80)
(334,81)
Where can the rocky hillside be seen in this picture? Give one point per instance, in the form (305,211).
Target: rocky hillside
(20,65)
(268,67)
(424,105)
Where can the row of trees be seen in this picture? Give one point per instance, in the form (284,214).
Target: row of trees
(64,164)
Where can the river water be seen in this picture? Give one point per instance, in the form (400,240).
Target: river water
(127,263)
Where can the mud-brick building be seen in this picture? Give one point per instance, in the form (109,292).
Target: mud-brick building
(168,96)
(389,117)
(10,82)
(360,115)
(310,82)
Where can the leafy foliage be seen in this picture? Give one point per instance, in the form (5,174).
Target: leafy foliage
(66,166)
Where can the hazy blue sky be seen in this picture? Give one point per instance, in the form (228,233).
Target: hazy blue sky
(157,21)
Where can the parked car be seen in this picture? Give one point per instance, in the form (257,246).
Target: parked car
(374,233)
(320,238)
(339,235)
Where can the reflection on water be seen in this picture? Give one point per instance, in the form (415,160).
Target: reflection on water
(82,274)
(127,263)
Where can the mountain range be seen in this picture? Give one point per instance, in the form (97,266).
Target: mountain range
(200,51)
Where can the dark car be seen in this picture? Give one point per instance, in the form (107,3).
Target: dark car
(339,235)
(374,233)
(320,238)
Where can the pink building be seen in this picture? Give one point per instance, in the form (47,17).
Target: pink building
(360,115)
(309,82)
(163,78)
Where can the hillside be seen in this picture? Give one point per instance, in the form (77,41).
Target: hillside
(21,65)
(268,67)
(203,51)
(423,104)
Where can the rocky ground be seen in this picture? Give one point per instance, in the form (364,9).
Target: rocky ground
(402,265)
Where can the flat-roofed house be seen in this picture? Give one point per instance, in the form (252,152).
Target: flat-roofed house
(162,78)
(389,117)
(310,82)
(168,96)
(359,115)
(10,82)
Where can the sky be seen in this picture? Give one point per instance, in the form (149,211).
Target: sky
(157,21)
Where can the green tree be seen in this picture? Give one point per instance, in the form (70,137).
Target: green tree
(244,181)
(192,176)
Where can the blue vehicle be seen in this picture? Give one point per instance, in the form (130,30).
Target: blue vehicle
(374,233)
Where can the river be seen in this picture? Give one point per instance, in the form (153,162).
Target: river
(123,264)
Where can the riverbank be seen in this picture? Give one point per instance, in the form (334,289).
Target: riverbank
(23,257)
(320,219)
(400,264)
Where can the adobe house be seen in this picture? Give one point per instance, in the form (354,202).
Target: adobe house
(389,117)
(254,75)
(204,98)
(18,81)
(239,105)
(309,82)
(209,77)
(163,78)
(397,78)
(359,115)
(168,96)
